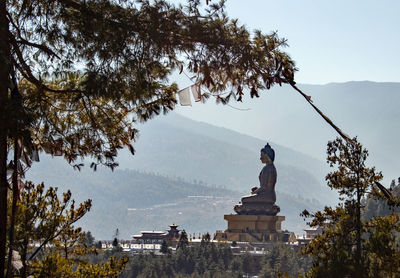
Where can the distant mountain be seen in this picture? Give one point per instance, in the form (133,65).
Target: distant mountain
(132,201)
(285,155)
(369,110)
(124,198)
(185,172)
(192,173)
(176,146)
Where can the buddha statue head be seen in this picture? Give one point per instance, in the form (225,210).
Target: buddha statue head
(267,153)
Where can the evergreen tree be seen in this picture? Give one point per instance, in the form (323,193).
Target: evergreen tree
(205,240)
(115,242)
(164,247)
(236,265)
(116,234)
(249,264)
(77,75)
(71,242)
(376,206)
(55,265)
(47,220)
(351,246)
(89,239)
(183,240)
(283,260)
(98,245)
(43,218)
(196,261)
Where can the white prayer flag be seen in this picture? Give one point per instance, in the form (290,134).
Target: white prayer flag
(25,158)
(196,91)
(35,156)
(184,97)
(16,260)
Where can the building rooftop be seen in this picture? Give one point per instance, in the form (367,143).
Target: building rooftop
(152,232)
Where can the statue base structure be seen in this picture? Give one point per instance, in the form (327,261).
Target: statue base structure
(255,221)
(254,228)
(257,208)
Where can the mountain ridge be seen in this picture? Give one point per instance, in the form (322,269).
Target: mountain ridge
(132,201)
(169,145)
(172,163)
(366,109)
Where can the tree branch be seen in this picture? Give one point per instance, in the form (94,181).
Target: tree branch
(57,233)
(39,46)
(27,72)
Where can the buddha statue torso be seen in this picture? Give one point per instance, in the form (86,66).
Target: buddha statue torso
(262,199)
(266,192)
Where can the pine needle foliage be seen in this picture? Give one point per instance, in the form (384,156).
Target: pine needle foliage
(48,242)
(77,75)
(351,245)
(89,70)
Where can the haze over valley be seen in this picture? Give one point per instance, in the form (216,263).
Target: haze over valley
(192,173)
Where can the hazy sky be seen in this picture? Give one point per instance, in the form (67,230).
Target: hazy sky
(331,41)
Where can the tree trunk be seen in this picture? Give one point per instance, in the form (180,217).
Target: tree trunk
(3,197)
(4,77)
(25,242)
(359,269)
(13,209)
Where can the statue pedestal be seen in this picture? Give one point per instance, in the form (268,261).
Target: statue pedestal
(256,219)
(257,209)
(253,228)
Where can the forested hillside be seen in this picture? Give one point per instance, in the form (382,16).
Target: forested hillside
(131,200)
(177,158)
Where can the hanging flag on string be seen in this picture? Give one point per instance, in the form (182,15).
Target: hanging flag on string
(20,187)
(58,148)
(196,91)
(184,97)
(35,155)
(57,152)
(26,159)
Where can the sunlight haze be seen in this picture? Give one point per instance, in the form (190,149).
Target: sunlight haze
(331,41)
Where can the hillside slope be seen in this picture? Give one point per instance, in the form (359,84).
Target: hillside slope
(176,146)
(365,109)
(132,201)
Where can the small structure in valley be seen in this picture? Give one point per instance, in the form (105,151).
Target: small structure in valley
(311,233)
(256,219)
(147,237)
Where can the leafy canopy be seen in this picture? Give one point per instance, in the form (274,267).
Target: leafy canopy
(88,70)
(78,74)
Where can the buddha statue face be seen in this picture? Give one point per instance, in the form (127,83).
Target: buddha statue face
(265,159)
(267,155)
